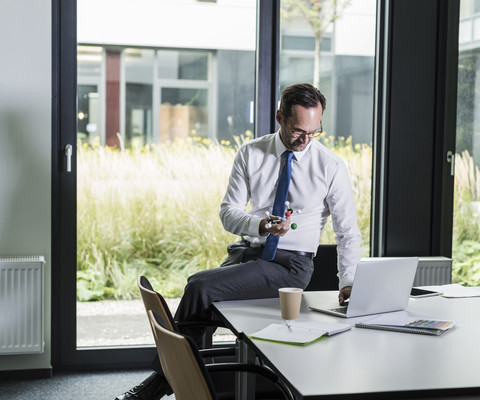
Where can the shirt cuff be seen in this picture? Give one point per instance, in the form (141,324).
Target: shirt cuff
(346,280)
(254,226)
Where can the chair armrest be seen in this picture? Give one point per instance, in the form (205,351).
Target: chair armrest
(193,324)
(183,327)
(217,352)
(254,369)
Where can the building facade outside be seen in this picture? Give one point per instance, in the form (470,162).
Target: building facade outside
(147,77)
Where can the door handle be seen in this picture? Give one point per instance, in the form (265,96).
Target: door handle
(451,160)
(68,155)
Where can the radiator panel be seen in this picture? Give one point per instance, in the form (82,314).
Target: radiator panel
(433,271)
(21,305)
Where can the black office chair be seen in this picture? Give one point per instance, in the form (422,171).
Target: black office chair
(325,271)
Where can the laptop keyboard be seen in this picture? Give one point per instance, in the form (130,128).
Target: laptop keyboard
(342,310)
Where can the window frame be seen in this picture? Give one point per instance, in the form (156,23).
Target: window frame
(390,232)
(65,354)
(401,225)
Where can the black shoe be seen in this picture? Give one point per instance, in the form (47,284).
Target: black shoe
(152,388)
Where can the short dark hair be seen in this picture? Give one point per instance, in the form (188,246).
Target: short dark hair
(302,94)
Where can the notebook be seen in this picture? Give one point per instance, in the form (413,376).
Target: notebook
(407,324)
(380,285)
(299,332)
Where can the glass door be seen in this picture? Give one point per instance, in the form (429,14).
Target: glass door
(466,221)
(162,106)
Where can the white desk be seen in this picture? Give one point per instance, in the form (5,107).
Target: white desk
(363,361)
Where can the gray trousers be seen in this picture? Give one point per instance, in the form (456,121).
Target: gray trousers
(243,275)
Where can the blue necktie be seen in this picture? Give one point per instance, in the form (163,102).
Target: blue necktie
(279,204)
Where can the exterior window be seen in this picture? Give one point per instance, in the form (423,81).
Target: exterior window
(139,77)
(183,65)
(466,217)
(90,82)
(334,49)
(469,31)
(131,97)
(183,113)
(185,94)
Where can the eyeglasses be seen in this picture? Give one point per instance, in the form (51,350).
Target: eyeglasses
(296,133)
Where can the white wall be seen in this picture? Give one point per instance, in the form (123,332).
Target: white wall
(226,24)
(25,145)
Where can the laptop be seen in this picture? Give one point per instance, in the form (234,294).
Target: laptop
(380,285)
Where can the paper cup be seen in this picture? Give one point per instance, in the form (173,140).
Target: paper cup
(290,301)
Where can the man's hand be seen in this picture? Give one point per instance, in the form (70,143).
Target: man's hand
(344,295)
(279,228)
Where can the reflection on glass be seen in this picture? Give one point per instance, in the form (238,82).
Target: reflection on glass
(183,113)
(330,44)
(466,217)
(187,64)
(89,118)
(88,115)
(139,77)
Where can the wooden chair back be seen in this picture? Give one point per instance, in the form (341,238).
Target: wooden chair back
(154,301)
(182,365)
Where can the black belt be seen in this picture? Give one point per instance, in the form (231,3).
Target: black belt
(297,252)
(301,253)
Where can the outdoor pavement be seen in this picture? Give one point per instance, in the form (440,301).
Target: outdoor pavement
(121,323)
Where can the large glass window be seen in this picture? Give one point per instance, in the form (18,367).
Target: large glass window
(331,44)
(185,84)
(466,219)
(165,94)
(194,65)
(183,113)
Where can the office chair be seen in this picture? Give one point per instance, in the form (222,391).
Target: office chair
(185,370)
(325,270)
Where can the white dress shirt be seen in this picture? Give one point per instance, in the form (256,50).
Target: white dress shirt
(319,187)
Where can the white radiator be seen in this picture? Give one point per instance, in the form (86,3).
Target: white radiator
(433,271)
(21,305)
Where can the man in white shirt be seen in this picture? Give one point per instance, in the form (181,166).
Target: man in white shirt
(319,187)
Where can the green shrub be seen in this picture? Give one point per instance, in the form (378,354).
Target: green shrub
(466,222)
(154,211)
(466,268)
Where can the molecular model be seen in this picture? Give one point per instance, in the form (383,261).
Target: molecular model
(288,213)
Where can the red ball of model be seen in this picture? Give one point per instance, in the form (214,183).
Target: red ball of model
(288,213)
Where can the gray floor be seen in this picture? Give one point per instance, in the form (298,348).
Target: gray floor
(99,386)
(98,324)
(73,386)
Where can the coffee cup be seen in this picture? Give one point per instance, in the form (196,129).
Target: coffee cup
(290,301)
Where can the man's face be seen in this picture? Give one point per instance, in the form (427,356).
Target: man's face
(303,121)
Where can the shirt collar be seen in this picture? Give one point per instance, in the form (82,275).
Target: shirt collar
(280,148)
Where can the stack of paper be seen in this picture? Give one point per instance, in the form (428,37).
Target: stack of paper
(455,290)
(299,332)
